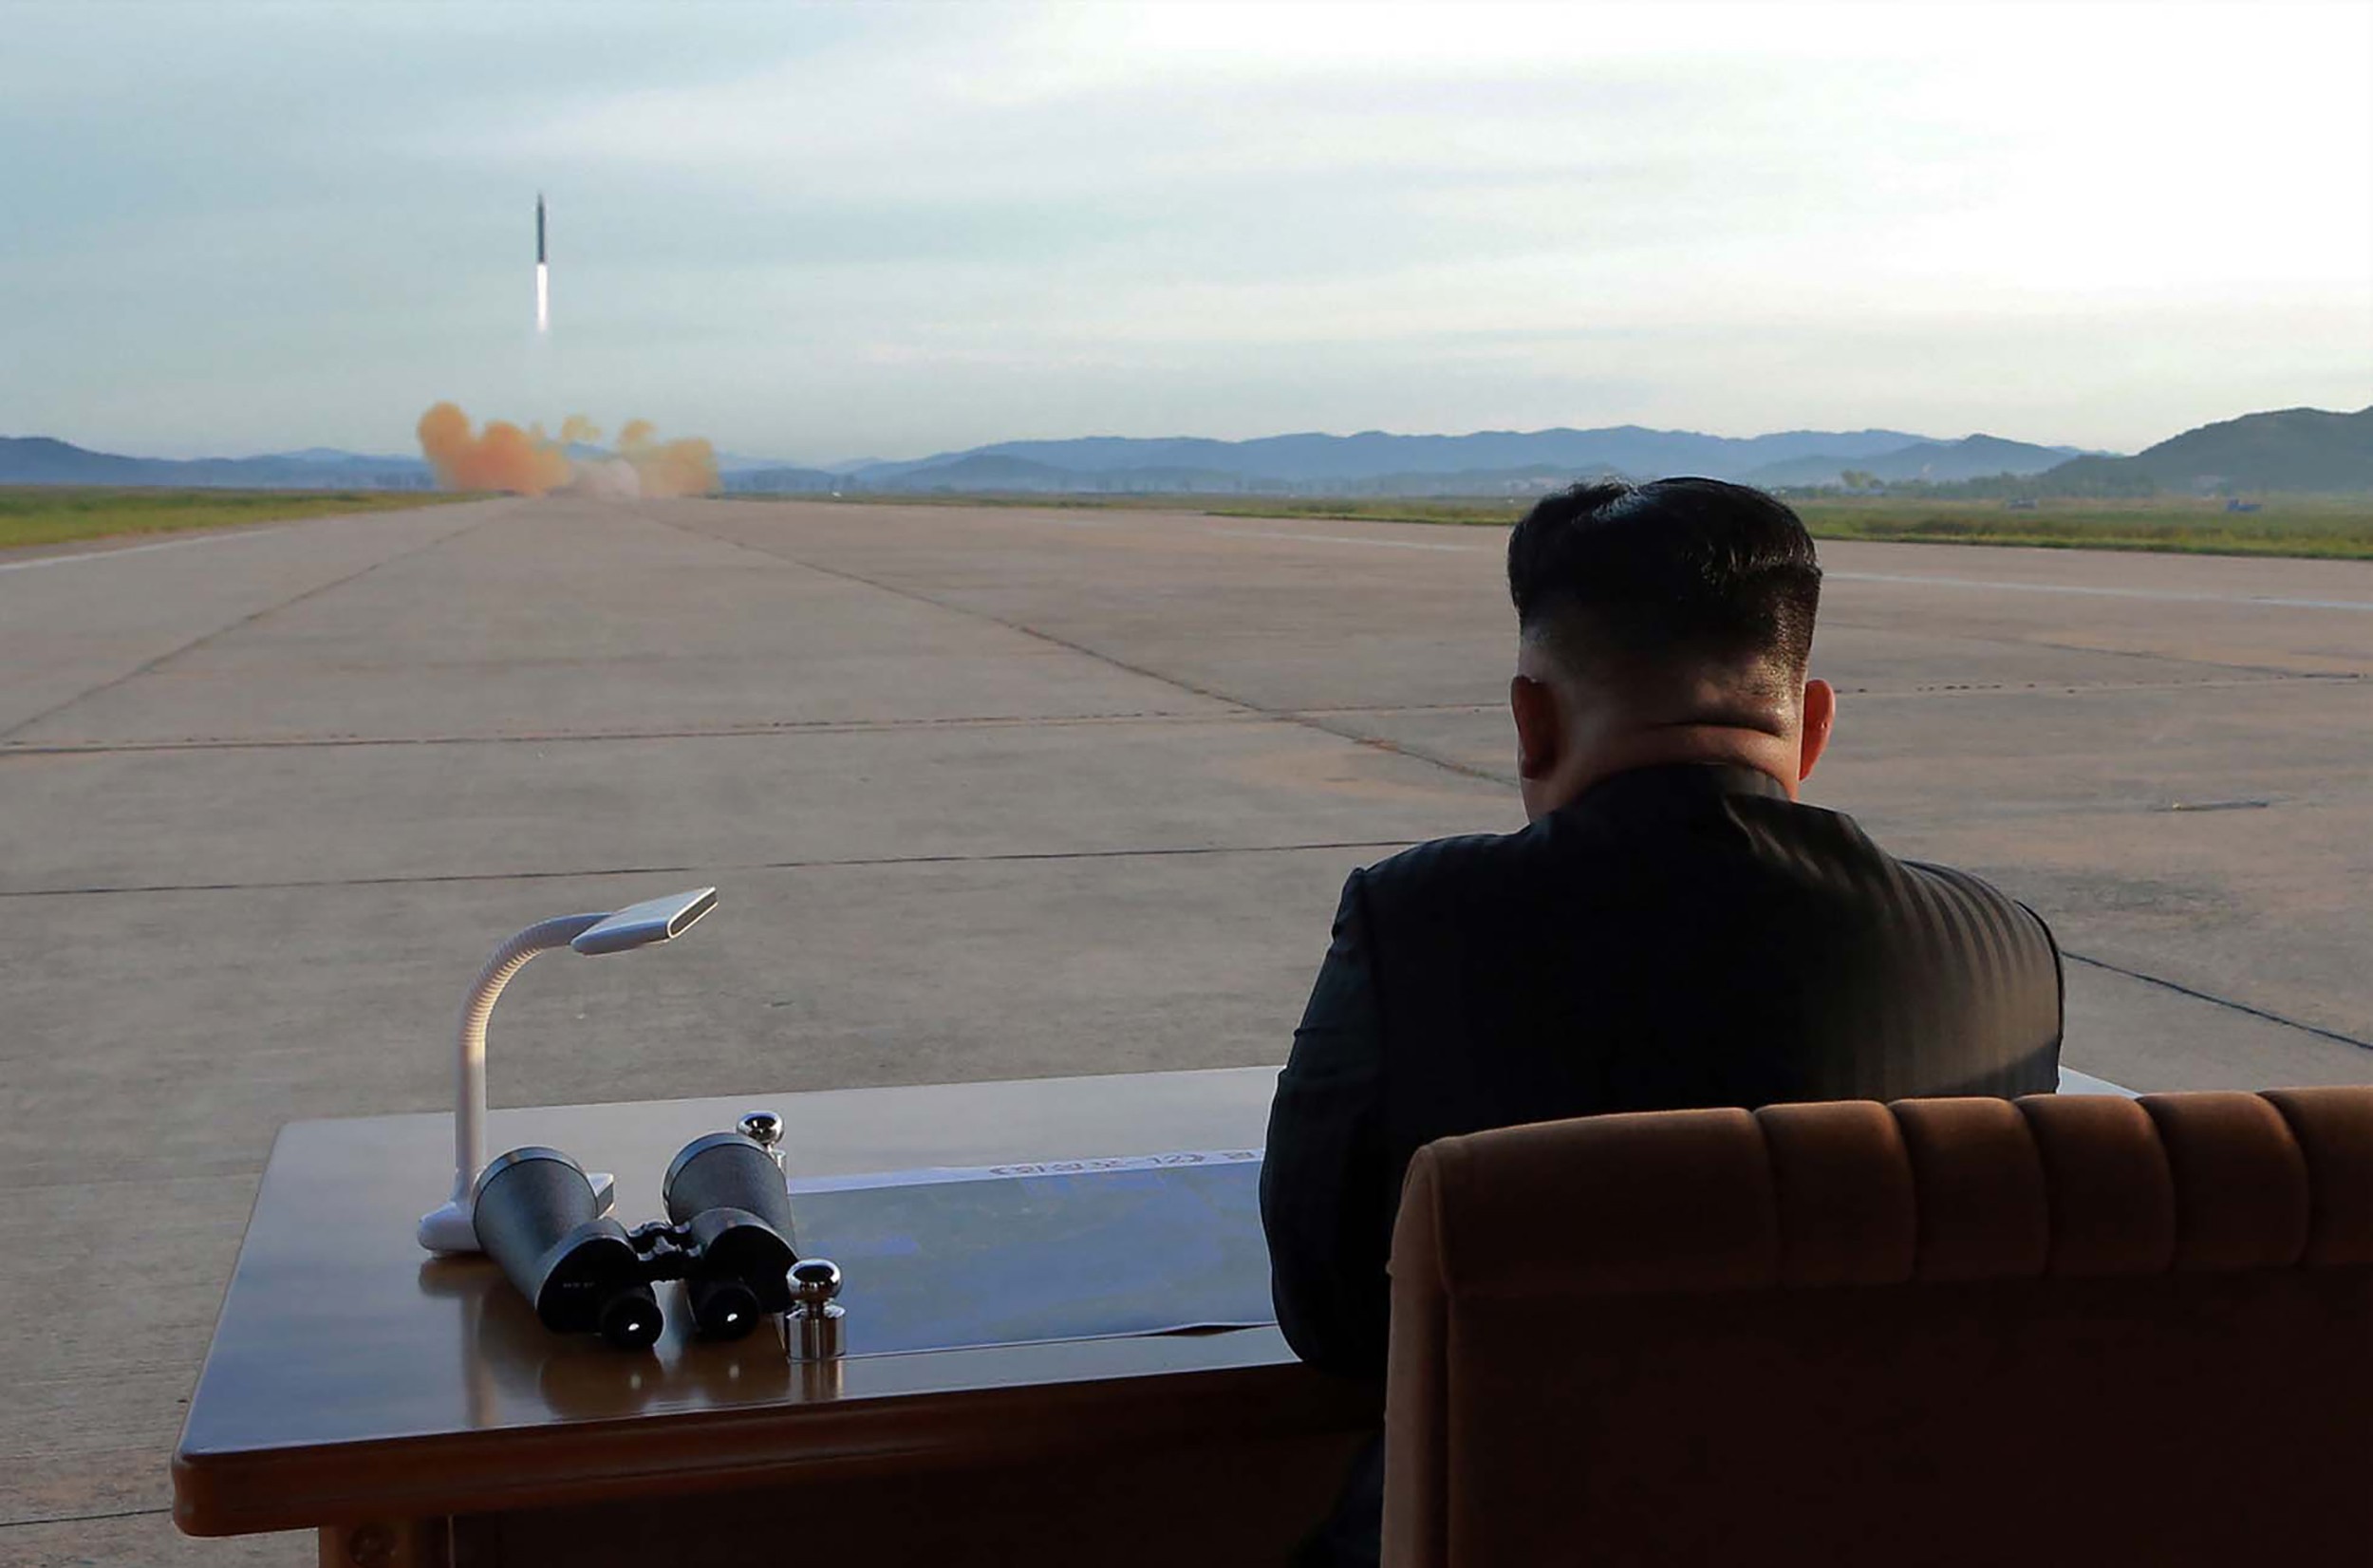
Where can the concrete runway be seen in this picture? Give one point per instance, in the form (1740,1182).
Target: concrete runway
(988,793)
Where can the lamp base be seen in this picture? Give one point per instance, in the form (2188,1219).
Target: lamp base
(448,1228)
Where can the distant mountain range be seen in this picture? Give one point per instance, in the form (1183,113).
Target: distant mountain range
(1927,462)
(39,460)
(1374,462)
(2294,449)
(2300,449)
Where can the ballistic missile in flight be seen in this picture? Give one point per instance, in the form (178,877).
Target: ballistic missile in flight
(542,274)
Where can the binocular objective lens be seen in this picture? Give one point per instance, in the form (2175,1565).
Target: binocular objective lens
(727,1170)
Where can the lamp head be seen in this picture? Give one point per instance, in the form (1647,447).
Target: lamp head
(654,920)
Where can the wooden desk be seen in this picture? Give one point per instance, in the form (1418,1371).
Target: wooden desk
(415,1412)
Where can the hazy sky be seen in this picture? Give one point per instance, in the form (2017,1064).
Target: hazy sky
(831,231)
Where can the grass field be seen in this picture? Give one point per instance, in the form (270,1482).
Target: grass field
(55,515)
(2334,527)
(2317,527)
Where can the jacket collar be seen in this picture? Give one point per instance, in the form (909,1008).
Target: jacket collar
(1675,781)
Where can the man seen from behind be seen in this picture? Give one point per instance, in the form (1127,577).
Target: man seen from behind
(1674,928)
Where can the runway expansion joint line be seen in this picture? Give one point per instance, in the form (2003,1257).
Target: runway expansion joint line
(1211,694)
(2211,998)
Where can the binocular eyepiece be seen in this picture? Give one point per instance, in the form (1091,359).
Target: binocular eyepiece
(728,1236)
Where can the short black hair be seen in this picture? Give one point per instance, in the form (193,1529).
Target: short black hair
(1631,578)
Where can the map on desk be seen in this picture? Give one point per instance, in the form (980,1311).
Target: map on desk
(1071,1249)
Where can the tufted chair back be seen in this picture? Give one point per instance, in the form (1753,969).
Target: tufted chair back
(2064,1330)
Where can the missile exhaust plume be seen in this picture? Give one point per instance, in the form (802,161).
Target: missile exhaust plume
(543,273)
(685,467)
(501,455)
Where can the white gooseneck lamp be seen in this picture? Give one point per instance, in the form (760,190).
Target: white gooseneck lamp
(447,1228)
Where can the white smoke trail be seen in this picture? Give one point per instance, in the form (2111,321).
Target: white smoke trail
(543,298)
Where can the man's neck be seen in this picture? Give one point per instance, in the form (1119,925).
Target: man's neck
(1665,744)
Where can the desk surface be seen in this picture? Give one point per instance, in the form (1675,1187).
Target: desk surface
(353,1377)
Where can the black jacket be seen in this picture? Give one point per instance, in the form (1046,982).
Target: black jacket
(1678,936)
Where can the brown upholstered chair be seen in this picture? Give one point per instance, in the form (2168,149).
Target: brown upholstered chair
(2064,1330)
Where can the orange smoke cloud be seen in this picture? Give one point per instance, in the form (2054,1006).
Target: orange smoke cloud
(686,467)
(525,462)
(503,456)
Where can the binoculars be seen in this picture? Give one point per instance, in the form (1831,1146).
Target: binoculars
(727,1235)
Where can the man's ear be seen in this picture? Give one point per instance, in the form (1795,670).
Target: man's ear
(1540,728)
(1820,716)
